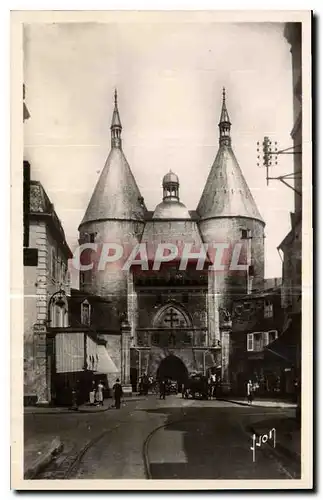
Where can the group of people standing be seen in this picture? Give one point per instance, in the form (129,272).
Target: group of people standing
(251,389)
(145,384)
(96,396)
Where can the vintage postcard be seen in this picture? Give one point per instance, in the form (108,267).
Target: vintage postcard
(161,250)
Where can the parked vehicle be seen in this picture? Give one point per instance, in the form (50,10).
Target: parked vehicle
(172,387)
(196,387)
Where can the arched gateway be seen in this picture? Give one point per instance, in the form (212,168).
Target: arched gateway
(172,368)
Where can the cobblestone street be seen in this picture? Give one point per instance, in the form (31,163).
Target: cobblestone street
(171,439)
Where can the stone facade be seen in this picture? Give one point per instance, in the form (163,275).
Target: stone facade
(171,313)
(257,322)
(41,281)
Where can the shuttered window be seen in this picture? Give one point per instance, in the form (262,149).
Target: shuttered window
(272,335)
(266,338)
(250,342)
(268,309)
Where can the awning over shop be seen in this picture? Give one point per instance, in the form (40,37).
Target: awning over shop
(105,364)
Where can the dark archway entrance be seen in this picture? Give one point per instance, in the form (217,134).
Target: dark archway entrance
(172,368)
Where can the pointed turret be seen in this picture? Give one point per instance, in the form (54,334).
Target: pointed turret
(115,214)
(116,126)
(116,195)
(229,215)
(226,193)
(224,124)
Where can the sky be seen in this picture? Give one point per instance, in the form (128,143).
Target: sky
(169,78)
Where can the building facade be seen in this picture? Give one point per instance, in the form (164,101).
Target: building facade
(62,349)
(46,255)
(257,326)
(169,319)
(291,246)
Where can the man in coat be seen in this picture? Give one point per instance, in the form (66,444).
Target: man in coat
(117,389)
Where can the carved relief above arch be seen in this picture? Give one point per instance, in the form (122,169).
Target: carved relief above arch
(172,315)
(172,322)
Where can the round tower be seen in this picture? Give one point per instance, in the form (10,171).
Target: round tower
(228,215)
(115,216)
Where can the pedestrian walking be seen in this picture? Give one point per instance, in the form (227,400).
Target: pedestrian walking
(117,389)
(92,394)
(213,383)
(74,398)
(250,392)
(162,389)
(99,393)
(145,383)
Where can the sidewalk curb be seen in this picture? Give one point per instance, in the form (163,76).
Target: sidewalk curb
(242,403)
(69,412)
(41,462)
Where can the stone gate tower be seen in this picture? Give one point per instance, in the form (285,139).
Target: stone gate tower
(228,214)
(174,320)
(115,214)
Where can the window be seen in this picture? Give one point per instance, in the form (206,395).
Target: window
(268,309)
(64,273)
(257,342)
(245,234)
(59,270)
(266,338)
(250,342)
(53,263)
(58,318)
(272,335)
(155,338)
(85,313)
(187,338)
(59,310)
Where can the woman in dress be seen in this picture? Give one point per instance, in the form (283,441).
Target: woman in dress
(99,393)
(92,394)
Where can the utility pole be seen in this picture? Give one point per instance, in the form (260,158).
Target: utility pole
(270,157)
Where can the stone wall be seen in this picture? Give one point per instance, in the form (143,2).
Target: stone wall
(112,282)
(39,286)
(35,314)
(113,346)
(229,230)
(30,319)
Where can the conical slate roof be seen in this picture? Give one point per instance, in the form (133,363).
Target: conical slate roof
(226,193)
(116,195)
